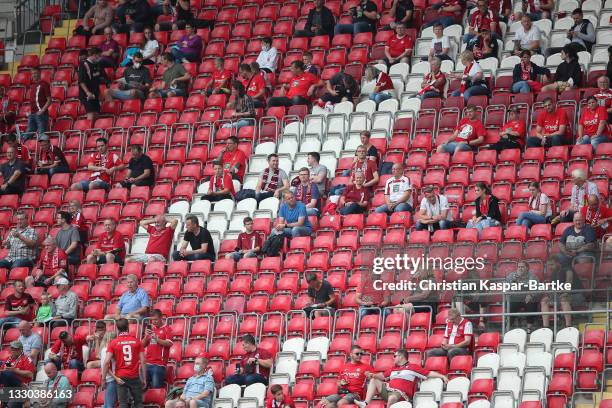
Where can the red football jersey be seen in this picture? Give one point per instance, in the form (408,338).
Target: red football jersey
(470,130)
(590,121)
(114,241)
(354,375)
(155,353)
(126,349)
(398,45)
(299,85)
(108,161)
(550,122)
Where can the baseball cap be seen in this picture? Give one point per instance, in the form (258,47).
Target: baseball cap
(16,344)
(62,281)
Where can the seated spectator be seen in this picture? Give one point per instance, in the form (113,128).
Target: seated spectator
(181,13)
(255,365)
(308,65)
(279,399)
(189,47)
(175,79)
(487,209)
(321,296)
(351,380)
(527,37)
(320,21)
(483,19)
(13,174)
(50,158)
(268,56)
(102,15)
(469,133)
(399,195)
(40,100)
(367,167)
(434,212)
(399,47)
(200,241)
(472,80)
(582,33)
(272,181)
(536,10)
(95,342)
(419,298)
(440,45)
(53,264)
(307,192)
(220,186)
(365,17)
(292,218)
(318,171)
(383,85)
(133,16)
(157,341)
(18,370)
(581,190)
(254,84)
(18,306)
(8,113)
(370,300)
(67,352)
(568,74)
(161,233)
(578,241)
(21,151)
(66,304)
(512,133)
(249,242)
(552,126)
(110,247)
(539,210)
(593,125)
(526,74)
(149,49)
(244,108)
(46,310)
(449,11)
(109,50)
(220,80)
(341,87)
(458,337)
(402,11)
(140,169)
(30,340)
(22,243)
(134,84)
(398,383)
(78,220)
(133,303)
(567,299)
(434,82)
(604,95)
(91,76)
(103,164)
(57,384)
(597,215)
(356,198)
(523,302)
(484,45)
(299,90)
(233,159)
(199,390)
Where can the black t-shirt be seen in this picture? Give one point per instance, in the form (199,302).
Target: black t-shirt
(92,75)
(572,239)
(138,166)
(373,152)
(403,6)
(135,76)
(203,237)
(358,11)
(323,294)
(8,169)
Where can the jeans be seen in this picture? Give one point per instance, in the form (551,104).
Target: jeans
(473,90)
(16,263)
(355,28)
(452,147)
(365,311)
(445,21)
(53,170)
(454,351)
(9,379)
(285,101)
(339,189)
(429,94)
(262,195)
(239,124)
(87,185)
(156,376)
(295,232)
(352,208)
(192,257)
(312,211)
(521,87)
(528,219)
(239,255)
(380,96)
(38,123)
(126,94)
(594,141)
(110,394)
(134,386)
(246,379)
(179,55)
(482,224)
(442,225)
(9,321)
(398,208)
(557,140)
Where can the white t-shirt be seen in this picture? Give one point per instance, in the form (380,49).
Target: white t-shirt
(150,49)
(474,70)
(268,59)
(439,44)
(109,378)
(526,38)
(395,189)
(533,204)
(440,205)
(467,330)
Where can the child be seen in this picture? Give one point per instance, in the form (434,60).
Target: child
(45,310)
(249,243)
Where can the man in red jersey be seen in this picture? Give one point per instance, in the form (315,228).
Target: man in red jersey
(220,79)
(552,126)
(255,365)
(18,370)
(249,242)
(233,159)
(399,46)
(161,233)
(18,306)
(220,185)
(279,399)
(130,366)
(40,100)
(254,84)
(482,19)
(458,337)
(512,133)
(351,381)
(157,342)
(597,215)
(469,133)
(110,247)
(300,88)
(398,383)
(433,82)
(67,351)
(53,264)
(593,125)
(103,164)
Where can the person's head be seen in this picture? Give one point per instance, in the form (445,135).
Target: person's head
(245,71)
(568,53)
(548,104)
(180,404)
(577,15)
(356,353)
(255,67)
(45,298)
(534,189)
(49,244)
(123,326)
(199,365)
(137,63)
(238,89)
(35,74)
(273,161)
(578,177)
(578,220)
(307,57)
(11,139)
(108,33)
(304,175)
(482,6)
(371,73)
(361,152)
(102,3)
(297,67)
(592,102)
(400,29)
(189,30)
(400,357)
(22,219)
(157,318)
(525,56)
(522,267)
(231,144)
(526,22)
(513,113)
(485,34)
(63,285)
(93,54)
(430,194)
(312,280)
(481,189)
(219,64)
(313,158)
(593,201)
(438,30)
(319,4)
(132,282)
(218,168)
(109,225)
(19,287)
(289,198)
(248,343)
(276,389)
(44,143)
(167,59)
(99,329)
(359,178)
(603,82)
(435,65)
(101,145)
(266,43)
(74,206)
(51,370)
(160,221)
(136,150)
(364,137)
(148,33)
(470,111)
(397,170)
(248,224)
(192,223)
(11,153)
(454,316)
(83,54)
(24,327)
(65,338)
(467,57)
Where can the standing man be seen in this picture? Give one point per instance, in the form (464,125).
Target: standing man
(157,342)
(200,240)
(91,76)
(22,243)
(40,100)
(458,337)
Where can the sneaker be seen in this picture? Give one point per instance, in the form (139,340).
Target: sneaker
(329,107)
(360,404)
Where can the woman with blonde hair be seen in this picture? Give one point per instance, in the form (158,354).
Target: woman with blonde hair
(383,87)
(472,79)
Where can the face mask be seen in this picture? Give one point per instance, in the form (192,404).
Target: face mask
(197,368)
(137,65)
(265,47)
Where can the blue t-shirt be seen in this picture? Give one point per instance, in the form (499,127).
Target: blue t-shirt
(292,214)
(130,302)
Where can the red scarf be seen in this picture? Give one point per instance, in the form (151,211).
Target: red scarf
(526,70)
(592,217)
(464,82)
(214,183)
(53,261)
(273,184)
(537,202)
(484,206)
(304,196)
(431,79)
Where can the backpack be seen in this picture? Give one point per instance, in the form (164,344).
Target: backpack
(273,245)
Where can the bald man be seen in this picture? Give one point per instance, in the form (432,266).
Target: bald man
(31,341)
(579,240)
(161,233)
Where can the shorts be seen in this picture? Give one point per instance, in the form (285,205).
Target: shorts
(91,105)
(177,92)
(102,260)
(101,184)
(144,258)
(385,393)
(350,398)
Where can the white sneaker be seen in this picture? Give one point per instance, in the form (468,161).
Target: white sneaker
(360,404)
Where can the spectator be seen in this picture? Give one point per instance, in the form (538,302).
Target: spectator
(21,151)
(484,46)
(487,208)
(399,47)
(482,19)
(526,74)
(13,174)
(255,365)
(434,82)
(181,15)
(552,126)
(101,13)
(419,298)
(472,80)
(371,150)
(366,167)
(536,10)
(46,310)
(91,76)
(458,337)
(383,85)
(609,65)
(268,56)
(566,299)
(161,233)
(189,46)
(18,306)
(272,181)
(110,381)
(67,352)
(581,190)
(51,159)
(175,79)
(402,11)
(539,210)
(249,242)
(134,84)
(199,390)
(220,80)
(66,304)
(103,164)
(523,302)
(307,193)
(133,16)
(434,212)
(292,218)
(141,171)
(512,133)
(96,342)
(356,198)
(8,113)
(597,215)
(68,238)
(78,220)
(31,341)
(149,49)
(582,33)
(577,242)
(398,192)
(109,50)
(244,108)
(365,17)
(300,89)
(341,87)
(320,21)
(449,11)
(593,125)
(469,133)
(568,74)
(397,383)
(110,247)
(157,341)
(220,186)
(604,95)
(133,303)
(233,159)
(22,243)
(58,385)
(254,84)
(371,301)
(278,399)
(53,264)
(128,354)
(200,241)
(440,45)
(308,65)
(18,370)
(322,299)
(40,100)
(351,380)
(318,172)
(527,37)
